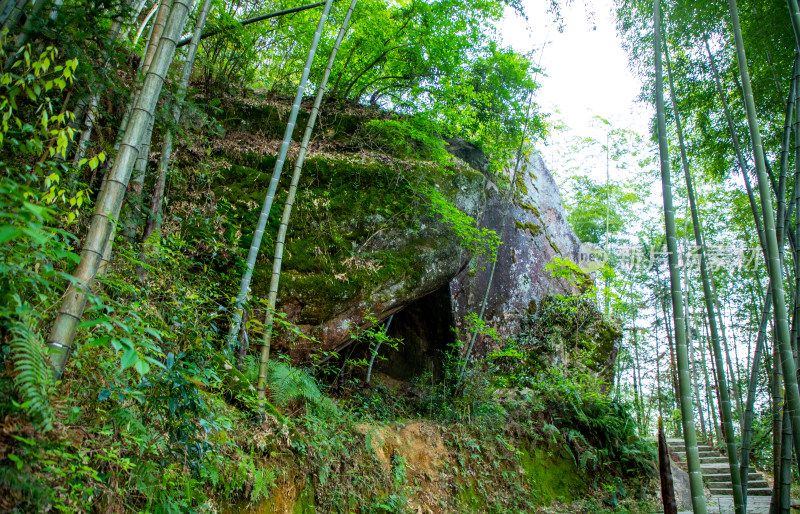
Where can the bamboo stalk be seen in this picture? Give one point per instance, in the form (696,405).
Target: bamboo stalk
(258,234)
(287,211)
(107,208)
(690,437)
(772,255)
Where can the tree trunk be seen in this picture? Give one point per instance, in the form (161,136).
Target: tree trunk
(134,217)
(665,473)
(712,405)
(690,437)
(637,383)
(672,366)
(786,463)
(772,255)
(710,301)
(287,211)
(777,401)
(154,219)
(258,234)
(749,412)
(705,433)
(107,208)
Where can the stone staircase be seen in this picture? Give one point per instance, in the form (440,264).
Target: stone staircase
(716,473)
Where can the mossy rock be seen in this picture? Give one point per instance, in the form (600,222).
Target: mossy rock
(362,232)
(551,475)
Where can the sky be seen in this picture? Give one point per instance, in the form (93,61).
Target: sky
(586,69)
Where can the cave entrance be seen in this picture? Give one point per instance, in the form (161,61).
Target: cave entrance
(425,327)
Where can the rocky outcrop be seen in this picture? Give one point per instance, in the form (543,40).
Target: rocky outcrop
(365,239)
(535,231)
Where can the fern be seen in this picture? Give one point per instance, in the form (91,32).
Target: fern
(33,380)
(290,384)
(552,430)
(263,481)
(586,457)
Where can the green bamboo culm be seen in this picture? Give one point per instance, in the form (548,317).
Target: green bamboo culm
(710,301)
(258,234)
(108,205)
(772,256)
(737,149)
(154,219)
(684,382)
(287,212)
(749,411)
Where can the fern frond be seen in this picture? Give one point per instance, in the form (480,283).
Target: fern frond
(33,380)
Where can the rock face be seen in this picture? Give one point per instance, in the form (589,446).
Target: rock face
(366,239)
(535,231)
(683,492)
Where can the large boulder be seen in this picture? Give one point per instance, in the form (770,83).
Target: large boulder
(364,239)
(535,231)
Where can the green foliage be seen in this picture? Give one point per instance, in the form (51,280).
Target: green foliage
(151,415)
(33,379)
(481,242)
(290,385)
(591,205)
(574,274)
(411,137)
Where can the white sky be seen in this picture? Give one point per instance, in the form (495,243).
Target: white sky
(586,67)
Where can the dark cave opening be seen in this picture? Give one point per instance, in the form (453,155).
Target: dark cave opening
(426,330)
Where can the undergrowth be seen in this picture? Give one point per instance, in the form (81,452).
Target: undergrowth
(153,416)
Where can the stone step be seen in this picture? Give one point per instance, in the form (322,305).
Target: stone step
(682,454)
(715,469)
(726,477)
(713,460)
(761,484)
(755,491)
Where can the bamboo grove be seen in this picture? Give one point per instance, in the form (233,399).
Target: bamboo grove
(124,169)
(723,79)
(100,105)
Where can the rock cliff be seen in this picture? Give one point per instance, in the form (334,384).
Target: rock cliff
(365,238)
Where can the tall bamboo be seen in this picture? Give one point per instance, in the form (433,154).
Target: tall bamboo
(24,34)
(772,255)
(287,210)
(786,464)
(692,358)
(732,370)
(107,209)
(712,411)
(710,301)
(258,234)
(738,151)
(134,211)
(154,219)
(777,403)
(14,15)
(690,437)
(794,14)
(749,412)
(673,367)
